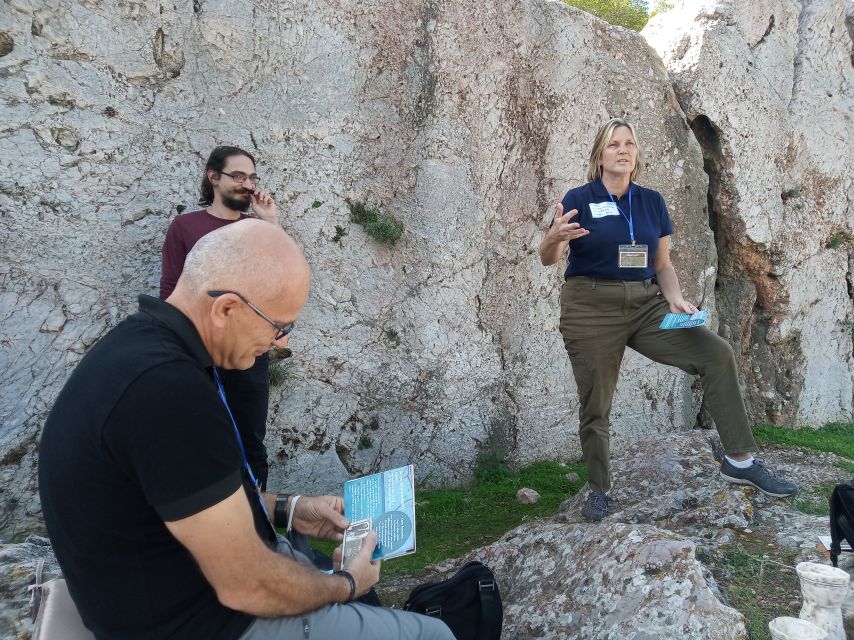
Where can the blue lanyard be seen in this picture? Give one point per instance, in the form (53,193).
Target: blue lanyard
(629,217)
(252,477)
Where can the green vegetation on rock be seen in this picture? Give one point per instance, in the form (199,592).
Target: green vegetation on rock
(280,372)
(381,227)
(836,437)
(760,581)
(631,14)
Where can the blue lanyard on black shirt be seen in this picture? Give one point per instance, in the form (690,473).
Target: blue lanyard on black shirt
(629,217)
(252,477)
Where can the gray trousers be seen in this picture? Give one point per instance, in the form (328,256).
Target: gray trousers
(354,621)
(598,320)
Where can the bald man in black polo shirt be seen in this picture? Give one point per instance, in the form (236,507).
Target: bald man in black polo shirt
(147,496)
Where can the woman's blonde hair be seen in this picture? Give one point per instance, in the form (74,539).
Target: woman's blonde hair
(603,137)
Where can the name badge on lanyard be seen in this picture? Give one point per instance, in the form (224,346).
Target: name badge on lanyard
(630,256)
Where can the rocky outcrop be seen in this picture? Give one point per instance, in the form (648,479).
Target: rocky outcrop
(607,581)
(431,352)
(445,346)
(644,572)
(768,89)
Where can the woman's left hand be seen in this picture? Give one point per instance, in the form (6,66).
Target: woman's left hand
(682,306)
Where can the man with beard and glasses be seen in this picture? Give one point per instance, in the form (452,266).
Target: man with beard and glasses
(230,187)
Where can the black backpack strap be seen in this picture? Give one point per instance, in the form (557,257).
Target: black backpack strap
(491,611)
(835,536)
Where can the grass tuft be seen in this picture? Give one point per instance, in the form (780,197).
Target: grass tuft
(340,232)
(794,192)
(393,337)
(491,468)
(815,503)
(759,582)
(844,464)
(836,437)
(835,241)
(280,372)
(381,227)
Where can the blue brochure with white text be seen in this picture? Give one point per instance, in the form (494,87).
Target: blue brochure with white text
(684,320)
(388,499)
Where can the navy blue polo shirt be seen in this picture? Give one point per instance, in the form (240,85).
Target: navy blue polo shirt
(595,255)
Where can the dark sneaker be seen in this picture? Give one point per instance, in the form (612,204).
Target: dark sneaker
(596,507)
(758,476)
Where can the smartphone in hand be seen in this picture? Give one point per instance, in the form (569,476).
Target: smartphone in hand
(354,535)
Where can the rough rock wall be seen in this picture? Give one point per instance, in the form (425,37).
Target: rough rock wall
(768,88)
(464,128)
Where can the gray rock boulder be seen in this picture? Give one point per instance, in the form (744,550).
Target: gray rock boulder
(645,571)
(607,581)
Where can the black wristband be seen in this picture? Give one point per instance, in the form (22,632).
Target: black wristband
(352,582)
(280,513)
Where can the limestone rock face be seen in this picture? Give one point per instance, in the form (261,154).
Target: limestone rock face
(467,130)
(607,581)
(673,482)
(768,88)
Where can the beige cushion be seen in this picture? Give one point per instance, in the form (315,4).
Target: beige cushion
(57,618)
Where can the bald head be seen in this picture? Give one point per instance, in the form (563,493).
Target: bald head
(265,278)
(253,257)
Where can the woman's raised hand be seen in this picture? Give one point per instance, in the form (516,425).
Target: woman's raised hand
(562,229)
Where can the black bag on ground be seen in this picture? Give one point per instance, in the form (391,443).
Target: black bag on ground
(468,602)
(841,518)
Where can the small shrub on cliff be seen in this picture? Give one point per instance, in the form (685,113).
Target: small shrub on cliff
(836,241)
(788,194)
(381,227)
(340,232)
(631,14)
(280,372)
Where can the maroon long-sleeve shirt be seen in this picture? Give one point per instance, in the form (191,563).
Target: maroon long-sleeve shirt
(184,232)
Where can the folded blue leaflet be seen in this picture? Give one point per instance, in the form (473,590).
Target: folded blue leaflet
(684,320)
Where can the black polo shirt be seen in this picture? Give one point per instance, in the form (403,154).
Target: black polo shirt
(138,436)
(596,254)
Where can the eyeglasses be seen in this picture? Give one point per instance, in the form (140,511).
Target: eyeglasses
(281,330)
(240,178)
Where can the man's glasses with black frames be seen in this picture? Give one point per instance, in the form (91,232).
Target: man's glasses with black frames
(281,330)
(240,178)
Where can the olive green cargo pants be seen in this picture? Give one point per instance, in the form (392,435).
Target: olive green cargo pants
(598,320)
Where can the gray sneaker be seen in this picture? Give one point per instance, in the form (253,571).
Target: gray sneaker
(596,507)
(758,476)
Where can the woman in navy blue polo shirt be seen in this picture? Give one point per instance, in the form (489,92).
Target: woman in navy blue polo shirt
(619,285)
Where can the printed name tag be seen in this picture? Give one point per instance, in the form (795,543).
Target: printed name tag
(602,209)
(633,257)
